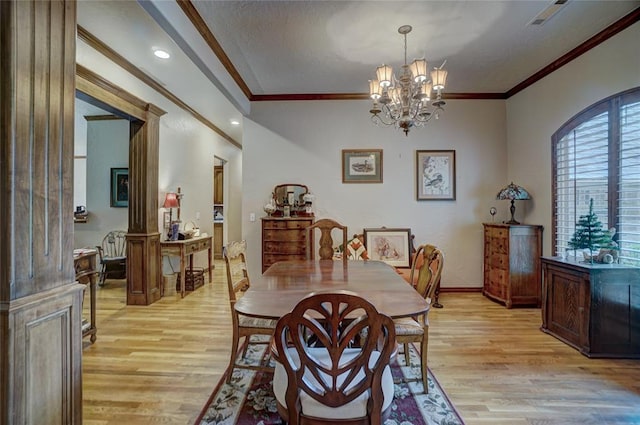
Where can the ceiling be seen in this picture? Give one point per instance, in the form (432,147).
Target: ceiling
(333,47)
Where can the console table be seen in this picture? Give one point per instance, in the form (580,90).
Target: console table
(594,308)
(186,248)
(84,262)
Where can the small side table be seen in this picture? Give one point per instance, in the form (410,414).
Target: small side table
(84,262)
(186,248)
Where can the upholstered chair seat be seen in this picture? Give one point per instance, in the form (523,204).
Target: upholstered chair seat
(311,407)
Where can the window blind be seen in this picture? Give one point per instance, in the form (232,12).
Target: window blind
(582,158)
(596,155)
(629,184)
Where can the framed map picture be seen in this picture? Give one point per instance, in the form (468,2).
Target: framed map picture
(436,175)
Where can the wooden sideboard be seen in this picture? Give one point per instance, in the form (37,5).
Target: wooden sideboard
(512,263)
(84,262)
(594,308)
(284,239)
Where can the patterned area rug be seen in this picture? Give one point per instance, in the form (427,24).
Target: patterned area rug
(248,399)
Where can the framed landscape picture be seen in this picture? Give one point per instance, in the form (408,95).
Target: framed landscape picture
(120,187)
(436,175)
(393,246)
(362,166)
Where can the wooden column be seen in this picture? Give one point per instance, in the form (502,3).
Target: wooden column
(40,303)
(144,266)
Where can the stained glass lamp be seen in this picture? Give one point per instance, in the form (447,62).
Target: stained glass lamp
(513,192)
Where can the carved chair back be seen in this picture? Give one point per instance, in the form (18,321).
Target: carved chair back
(326,226)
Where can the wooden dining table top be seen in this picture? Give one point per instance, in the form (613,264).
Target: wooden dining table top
(285,283)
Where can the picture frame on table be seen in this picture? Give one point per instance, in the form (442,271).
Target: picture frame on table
(393,246)
(436,175)
(362,166)
(119,187)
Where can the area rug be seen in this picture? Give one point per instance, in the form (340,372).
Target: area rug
(249,400)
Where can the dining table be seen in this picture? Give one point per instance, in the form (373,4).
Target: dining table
(277,291)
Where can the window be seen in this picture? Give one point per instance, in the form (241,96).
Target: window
(596,155)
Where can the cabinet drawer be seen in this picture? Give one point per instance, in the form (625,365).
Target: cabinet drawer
(199,246)
(284,235)
(296,247)
(287,224)
(497,232)
(269,259)
(498,277)
(499,261)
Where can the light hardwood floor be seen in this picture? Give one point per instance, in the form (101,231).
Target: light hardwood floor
(158,364)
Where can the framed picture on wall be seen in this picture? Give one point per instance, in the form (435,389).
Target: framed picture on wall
(119,187)
(436,175)
(362,166)
(393,246)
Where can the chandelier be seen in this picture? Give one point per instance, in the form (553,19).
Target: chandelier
(405,102)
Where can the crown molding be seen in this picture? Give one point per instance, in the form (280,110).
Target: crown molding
(118,59)
(602,36)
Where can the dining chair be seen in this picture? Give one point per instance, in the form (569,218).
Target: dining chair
(416,329)
(333,380)
(243,326)
(326,226)
(113,256)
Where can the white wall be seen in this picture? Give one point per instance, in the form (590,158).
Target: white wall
(107,147)
(187,150)
(537,112)
(301,142)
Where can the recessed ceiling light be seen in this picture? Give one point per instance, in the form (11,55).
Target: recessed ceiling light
(235,122)
(162,54)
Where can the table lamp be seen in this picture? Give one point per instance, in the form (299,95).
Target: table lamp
(513,192)
(171,201)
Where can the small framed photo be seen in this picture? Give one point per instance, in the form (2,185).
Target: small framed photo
(120,187)
(362,166)
(436,175)
(393,246)
(166,219)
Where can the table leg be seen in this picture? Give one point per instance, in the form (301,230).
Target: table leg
(92,294)
(210,266)
(182,273)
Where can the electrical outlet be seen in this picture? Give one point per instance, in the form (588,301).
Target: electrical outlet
(252,217)
(198,215)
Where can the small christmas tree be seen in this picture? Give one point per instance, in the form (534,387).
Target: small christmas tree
(589,233)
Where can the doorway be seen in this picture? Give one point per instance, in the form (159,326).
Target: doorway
(144,278)
(218,207)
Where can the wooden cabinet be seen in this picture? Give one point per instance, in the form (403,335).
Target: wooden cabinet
(218,185)
(217,240)
(594,308)
(284,239)
(512,263)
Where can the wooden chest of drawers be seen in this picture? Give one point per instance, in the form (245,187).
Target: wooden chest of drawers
(512,263)
(284,239)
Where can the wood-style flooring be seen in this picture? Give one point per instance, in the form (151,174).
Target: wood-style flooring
(158,364)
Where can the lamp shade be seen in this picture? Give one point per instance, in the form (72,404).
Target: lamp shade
(419,70)
(513,192)
(384,74)
(438,78)
(171,200)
